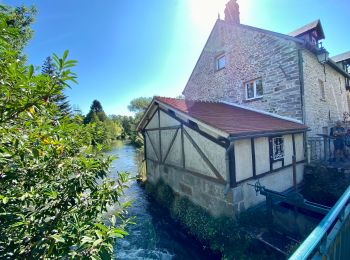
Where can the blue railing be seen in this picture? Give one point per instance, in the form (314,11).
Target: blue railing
(331,238)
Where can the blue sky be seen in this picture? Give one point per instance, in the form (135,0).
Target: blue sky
(127,49)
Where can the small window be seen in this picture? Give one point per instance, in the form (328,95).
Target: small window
(277,148)
(220,62)
(254,89)
(322,91)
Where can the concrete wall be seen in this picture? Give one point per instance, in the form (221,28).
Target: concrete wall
(322,112)
(250,54)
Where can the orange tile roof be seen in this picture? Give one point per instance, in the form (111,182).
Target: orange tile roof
(231,119)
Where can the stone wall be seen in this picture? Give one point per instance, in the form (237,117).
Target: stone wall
(322,112)
(204,193)
(250,54)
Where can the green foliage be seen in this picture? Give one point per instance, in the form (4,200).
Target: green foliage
(96,113)
(60,99)
(54,191)
(105,129)
(139,104)
(324,185)
(15,26)
(222,234)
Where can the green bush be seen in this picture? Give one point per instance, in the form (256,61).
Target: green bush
(223,234)
(54,191)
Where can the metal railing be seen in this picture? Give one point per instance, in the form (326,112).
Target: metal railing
(320,148)
(331,238)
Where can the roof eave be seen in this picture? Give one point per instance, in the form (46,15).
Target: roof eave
(234,137)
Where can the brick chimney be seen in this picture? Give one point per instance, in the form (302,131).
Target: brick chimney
(232,12)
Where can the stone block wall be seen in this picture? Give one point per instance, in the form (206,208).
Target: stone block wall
(322,112)
(250,54)
(202,192)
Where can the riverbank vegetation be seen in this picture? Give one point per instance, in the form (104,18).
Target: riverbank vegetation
(54,191)
(229,236)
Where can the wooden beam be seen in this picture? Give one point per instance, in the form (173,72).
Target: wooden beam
(204,134)
(232,167)
(171,145)
(269,172)
(194,173)
(183,147)
(154,149)
(293,139)
(160,137)
(253,156)
(164,128)
(204,157)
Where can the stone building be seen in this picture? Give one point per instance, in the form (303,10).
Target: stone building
(251,101)
(273,72)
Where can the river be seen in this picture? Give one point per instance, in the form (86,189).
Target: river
(155,235)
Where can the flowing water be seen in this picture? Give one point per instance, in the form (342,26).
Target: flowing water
(155,235)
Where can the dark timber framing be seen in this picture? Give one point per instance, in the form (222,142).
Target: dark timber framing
(204,157)
(171,145)
(154,149)
(221,141)
(211,138)
(269,172)
(253,156)
(197,174)
(232,167)
(160,137)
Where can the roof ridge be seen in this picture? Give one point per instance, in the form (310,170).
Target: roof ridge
(263,112)
(193,100)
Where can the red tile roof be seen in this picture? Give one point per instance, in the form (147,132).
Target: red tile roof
(231,119)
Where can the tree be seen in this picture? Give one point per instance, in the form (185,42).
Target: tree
(18,19)
(140,104)
(54,191)
(61,99)
(95,110)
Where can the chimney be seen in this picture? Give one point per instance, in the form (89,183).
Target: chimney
(232,12)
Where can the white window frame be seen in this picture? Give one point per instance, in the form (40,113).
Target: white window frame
(280,154)
(217,59)
(255,94)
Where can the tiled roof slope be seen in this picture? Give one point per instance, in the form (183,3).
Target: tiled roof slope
(231,119)
(342,57)
(313,25)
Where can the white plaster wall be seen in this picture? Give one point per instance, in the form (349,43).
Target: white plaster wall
(167,136)
(154,137)
(194,161)
(175,154)
(150,151)
(243,159)
(262,156)
(154,122)
(288,149)
(299,147)
(166,120)
(214,152)
(277,181)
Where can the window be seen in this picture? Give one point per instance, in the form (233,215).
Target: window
(220,62)
(322,91)
(277,148)
(254,89)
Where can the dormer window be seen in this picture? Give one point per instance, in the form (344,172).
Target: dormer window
(220,62)
(254,89)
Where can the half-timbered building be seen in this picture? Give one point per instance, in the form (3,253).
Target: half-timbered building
(210,151)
